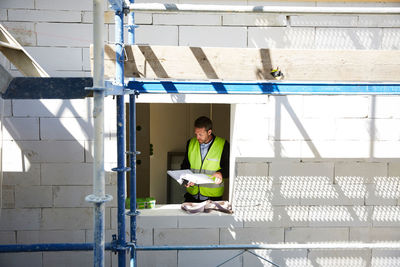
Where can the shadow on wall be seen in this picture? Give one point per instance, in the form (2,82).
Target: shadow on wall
(47,155)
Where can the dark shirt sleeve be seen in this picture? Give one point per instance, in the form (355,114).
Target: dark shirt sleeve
(225,161)
(185,163)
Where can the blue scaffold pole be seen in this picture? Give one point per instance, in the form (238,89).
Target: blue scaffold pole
(132,149)
(121,169)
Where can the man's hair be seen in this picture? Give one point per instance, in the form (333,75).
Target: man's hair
(203,122)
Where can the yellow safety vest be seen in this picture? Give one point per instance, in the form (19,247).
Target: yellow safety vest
(210,165)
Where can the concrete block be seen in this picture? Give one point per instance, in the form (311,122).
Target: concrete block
(86,59)
(73,34)
(249,190)
(208,258)
(385,129)
(21,259)
(33,196)
(69,219)
(3,14)
(245,130)
(187,19)
(325,150)
(385,258)
(140,18)
(47,151)
(21,128)
(209,220)
(160,217)
(386,216)
(273,216)
(68,58)
(20,219)
(7,197)
(74,108)
(386,150)
(295,128)
(7,237)
(267,149)
(376,21)
(74,196)
(348,38)
(6,106)
(251,169)
(44,15)
(157,258)
(393,170)
(288,258)
(17,4)
(357,172)
(186,236)
(383,192)
(60,236)
(26,176)
(67,174)
(148,34)
(353,129)
(68,258)
(213,36)
(61,5)
(286,194)
(342,258)
(332,216)
(66,129)
(281,37)
(326,106)
(144,236)
(322,194)
(316,235)
(377,234)
(367,129)
(390,38)
(14,160)
(384,107)
(323,20)
(23,32)
(257,235)
(110,151)
(254,20)
(291,173)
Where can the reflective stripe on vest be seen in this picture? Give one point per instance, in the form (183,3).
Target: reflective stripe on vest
(210,165)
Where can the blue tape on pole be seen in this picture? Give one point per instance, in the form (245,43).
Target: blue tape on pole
(278,88)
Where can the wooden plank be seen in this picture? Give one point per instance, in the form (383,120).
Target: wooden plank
(18,56)
(205,63)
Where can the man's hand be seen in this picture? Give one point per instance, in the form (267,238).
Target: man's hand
(218,177)
(189,184)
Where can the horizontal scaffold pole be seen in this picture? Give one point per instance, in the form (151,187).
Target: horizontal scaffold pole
(264,87)
(278,246)
(50,247)
(160,7)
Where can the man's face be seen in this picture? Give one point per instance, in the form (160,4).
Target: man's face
(202,135)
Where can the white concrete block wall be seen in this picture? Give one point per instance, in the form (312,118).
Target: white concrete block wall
(307,168)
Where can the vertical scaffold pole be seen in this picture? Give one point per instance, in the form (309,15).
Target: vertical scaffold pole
(121,169)
(98,197)
(132,149)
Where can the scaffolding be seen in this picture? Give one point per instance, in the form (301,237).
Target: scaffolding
(121,87)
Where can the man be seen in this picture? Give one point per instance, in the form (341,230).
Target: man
(209,154)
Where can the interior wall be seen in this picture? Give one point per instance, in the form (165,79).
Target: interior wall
(171,125)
